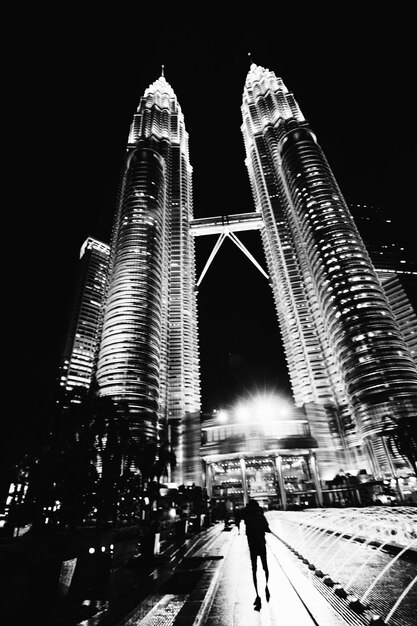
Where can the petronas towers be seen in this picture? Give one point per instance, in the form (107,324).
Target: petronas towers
(348,362)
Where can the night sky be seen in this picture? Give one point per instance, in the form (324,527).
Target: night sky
(73,85)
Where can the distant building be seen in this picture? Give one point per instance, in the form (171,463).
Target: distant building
(77,363)
(383,240)
(395,265)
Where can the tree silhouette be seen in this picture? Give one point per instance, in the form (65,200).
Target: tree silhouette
(93,465)
(402,436)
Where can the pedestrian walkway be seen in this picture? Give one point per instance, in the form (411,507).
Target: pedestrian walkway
(232,602)
(213,586)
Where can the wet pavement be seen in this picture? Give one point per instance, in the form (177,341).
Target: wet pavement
(212,583)
(214,586)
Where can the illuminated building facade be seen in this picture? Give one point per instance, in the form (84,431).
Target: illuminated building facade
(264,452)
(383,241)
(148,353)
(350,358)
(77,363)
(348,362)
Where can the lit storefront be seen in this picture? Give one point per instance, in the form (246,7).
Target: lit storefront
(266,454)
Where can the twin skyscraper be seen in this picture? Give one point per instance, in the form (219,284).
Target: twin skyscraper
(350,365)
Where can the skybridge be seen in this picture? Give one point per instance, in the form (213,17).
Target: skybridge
(227,226)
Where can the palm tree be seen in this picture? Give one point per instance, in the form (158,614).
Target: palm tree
(402,436)
(94,464)
(150,459)
(77,478)
(104,440)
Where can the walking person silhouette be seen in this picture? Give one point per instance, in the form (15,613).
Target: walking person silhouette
(256,527)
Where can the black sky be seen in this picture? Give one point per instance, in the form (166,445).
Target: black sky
(73,85)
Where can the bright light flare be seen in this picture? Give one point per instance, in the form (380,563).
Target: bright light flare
(243,413)
(222,415)
(270,408)
(264,409)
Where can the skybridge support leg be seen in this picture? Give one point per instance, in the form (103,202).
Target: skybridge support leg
(239,244)
(218,243)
